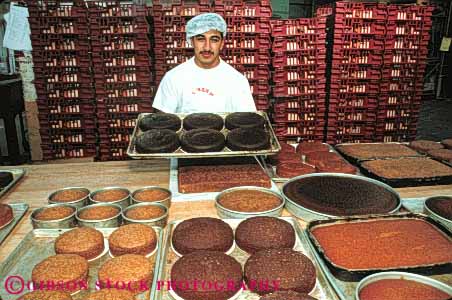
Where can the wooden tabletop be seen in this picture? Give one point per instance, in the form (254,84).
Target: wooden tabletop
(40,180)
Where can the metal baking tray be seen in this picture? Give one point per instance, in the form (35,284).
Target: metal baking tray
(417,205)
(19,210)
(39,244)
(321,291)
(274,144)
(17,175)
(343,277)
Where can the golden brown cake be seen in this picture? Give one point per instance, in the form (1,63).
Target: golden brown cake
(69,195)
(131,268)
(145,212)
(423,146)
(151,195)
(6,214)
(132,239)
(249,201)
(111,294)
(377,150)
(110,195)
(441,154)
(54,213)
(99,213)
(46,295)
(84,241)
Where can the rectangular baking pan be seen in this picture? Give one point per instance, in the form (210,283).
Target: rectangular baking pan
(321,291)
(17,175)
(356,275)
(274,144)
(39,244)
(19,210)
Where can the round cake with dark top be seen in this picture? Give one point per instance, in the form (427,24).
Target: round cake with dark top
(291,269)
(258,233)
(424,146)
(248,139)
(215,268)
(6,214)
(309,147)
(111,294)
(293,169)
(84,241)
(46,295)
(244,120)
(203,121)
(160,121)
(134,239)
(157,141)
(202,140)
(287,295)
(5,178)
(441,154)
(440,205)
(202,234)
(447,143)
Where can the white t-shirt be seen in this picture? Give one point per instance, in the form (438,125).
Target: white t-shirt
(188,88)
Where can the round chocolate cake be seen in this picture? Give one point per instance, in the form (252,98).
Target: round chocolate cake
(440,205)
(287,295)
(157,141)
(203,121)
(248,139)
(202,234)
(159,121)
(259,233)
(5,178)
(244,120)
(218,276)
(291,269)
(202,140)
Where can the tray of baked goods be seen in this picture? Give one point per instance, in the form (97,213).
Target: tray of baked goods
(163,135)
(8,178)
(438,207)
(440,151)
(60,263)
(10,215)
(256,258)
(348,250)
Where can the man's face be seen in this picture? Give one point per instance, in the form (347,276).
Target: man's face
(207,48)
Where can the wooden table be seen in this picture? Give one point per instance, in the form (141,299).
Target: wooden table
(41,180)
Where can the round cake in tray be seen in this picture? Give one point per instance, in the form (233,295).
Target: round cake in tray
(111,294)
(54,213)
(99,213)
(84,241)
(447,143)
(202,140)
(244,120)
(292,269)
(293,169)
(6,214)
(203,121)
(249,201)
(145,212)
(66,268)
(111,195)
(441,154)
(309,147)
(314,158)
(5,178)
(424,146)
(257,233)
(160,121)
(136,270)
(248,139)
(215,268)
(69,195)
(336,167)
(440,205)
(287,295)
(46,295)
(202,234)
(157,141)
(133,238)
(151,195)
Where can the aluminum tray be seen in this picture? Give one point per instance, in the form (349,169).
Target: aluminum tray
(19,210)
(17,175)
(417,205)
(321,291)
(38,245)
(274,144)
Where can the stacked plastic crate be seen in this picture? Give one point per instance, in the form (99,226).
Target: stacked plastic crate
(359,36)
(403,72)
(248,42)
(122,72)
(59,35)
(299,79)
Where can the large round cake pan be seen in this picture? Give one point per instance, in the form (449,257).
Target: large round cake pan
(79,203)
(330,195)
(124,202)
(67,222)
(429,210)
(226,213)
(402,275)
(160,221)
(166,202)
(114,221)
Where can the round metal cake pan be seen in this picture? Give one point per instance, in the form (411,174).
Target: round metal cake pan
(311,215)
(401,275)
(226,213)
(114,221)
(427,210)
(160,221)
(166,202)
(79,203)
(123,202)
(67,222)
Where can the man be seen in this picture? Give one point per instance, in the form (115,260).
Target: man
(204,83)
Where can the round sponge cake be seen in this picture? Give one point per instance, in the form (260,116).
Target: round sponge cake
(46,295)
(84,241)
(132,238)
(203,121)
(159,121)
(157,141)
(248,139)
(244,120)
(202,140)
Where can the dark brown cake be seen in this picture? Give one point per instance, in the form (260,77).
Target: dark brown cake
(244,120)
(132,239)
(308,147)
(314,158)
(287,295)
(423,146)
(99,213)
(203,121)
(213,267)
(46,295)
(6,214)
(283,269)
(54,213)
(441,154)
(377,150)
(285,157)
(84,241)
(5,179)
(202,140)
(160,121)
(248,139)
(292,169)
(145,212)
(259,233)
(157,141)
(441,205)
(447,143)
(336,167)
(249,201)
(69,195)
(111,294)
(202,234)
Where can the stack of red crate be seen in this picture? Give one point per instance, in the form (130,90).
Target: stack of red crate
(403,69)
(60,39)
(359,36)
(122,72)
(299,79)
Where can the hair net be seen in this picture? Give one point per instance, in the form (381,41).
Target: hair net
(203,23)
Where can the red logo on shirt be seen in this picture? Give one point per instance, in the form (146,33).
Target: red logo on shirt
(202,90)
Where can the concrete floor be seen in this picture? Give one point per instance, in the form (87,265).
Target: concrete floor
(435,120)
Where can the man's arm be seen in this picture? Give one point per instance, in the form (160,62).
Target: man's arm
(167,98)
